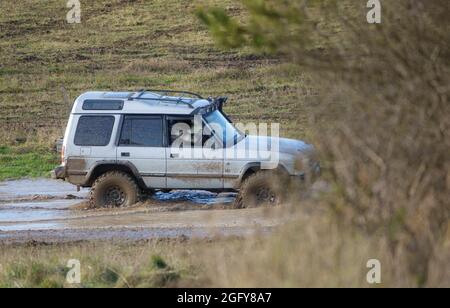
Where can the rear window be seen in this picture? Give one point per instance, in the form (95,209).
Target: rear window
(94,130)
(102,104)
(143,131)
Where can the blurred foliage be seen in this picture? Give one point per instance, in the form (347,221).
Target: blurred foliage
(271,25)
(384,99)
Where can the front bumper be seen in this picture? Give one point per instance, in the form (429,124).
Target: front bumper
(59,173)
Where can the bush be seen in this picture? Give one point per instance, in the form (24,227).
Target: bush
(382,124)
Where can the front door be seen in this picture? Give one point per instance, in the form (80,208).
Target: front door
(191,167)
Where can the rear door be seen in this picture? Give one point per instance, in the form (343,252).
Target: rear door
(91,141)
(141,142)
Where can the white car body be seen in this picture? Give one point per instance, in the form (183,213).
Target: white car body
(157,167)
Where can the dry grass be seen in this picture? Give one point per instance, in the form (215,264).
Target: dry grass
(120,45)
(382,127)
(125,45)
(388,150)
(313,250)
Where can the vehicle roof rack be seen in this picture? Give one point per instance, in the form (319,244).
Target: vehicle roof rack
(178,100)
(143,91)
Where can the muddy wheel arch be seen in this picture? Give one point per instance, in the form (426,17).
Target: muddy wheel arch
(265,187)
(106,166)
(252,168)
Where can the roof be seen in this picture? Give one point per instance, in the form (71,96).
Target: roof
(143,102)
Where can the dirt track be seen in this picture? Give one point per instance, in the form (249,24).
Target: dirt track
(52,211)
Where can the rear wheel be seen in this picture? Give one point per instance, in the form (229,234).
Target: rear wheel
(114,189)
(265,188)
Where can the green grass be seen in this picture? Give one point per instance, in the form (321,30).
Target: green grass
(101,265)
(16,162)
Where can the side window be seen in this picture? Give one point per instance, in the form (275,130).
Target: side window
(175,133)
(102,104)
(177,129)
(142,131)
(94,130)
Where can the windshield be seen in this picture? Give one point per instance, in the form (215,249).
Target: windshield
(223,128)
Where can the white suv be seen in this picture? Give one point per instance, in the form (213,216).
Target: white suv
(123,144)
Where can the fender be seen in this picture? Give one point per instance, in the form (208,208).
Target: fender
(256,166)
(114,165)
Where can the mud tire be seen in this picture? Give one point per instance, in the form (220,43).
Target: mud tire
(114,189)
(265,188)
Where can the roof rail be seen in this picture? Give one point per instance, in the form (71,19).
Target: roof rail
(178,100)
(143,91)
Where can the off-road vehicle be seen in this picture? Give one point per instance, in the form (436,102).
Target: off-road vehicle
(126,144)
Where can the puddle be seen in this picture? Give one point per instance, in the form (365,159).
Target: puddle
(36,205)
(195,196)
(16,216)
(48,205)
(12,190)
(34,211)
(18,227)
(44,210)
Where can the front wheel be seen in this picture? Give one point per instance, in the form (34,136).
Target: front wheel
(114,189)
(265,188)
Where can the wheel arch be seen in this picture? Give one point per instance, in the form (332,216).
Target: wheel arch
(107,166)
(252,168)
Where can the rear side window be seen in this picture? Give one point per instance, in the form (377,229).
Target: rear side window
(94,130)
(101,104)
(142,131)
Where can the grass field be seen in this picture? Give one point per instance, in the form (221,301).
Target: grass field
(311,254)
(22,161)
(125,45)
(384,89)
(122,45)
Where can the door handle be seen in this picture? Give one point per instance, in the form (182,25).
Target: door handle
(125,154)
(173,155)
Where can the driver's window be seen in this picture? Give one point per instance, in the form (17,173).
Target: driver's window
(179,132)
(182,131)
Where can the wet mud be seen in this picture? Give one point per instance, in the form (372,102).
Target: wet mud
(45,210)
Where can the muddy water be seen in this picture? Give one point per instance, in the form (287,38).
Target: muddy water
(196,196)
(47,210)
(35,204)
(35,189)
